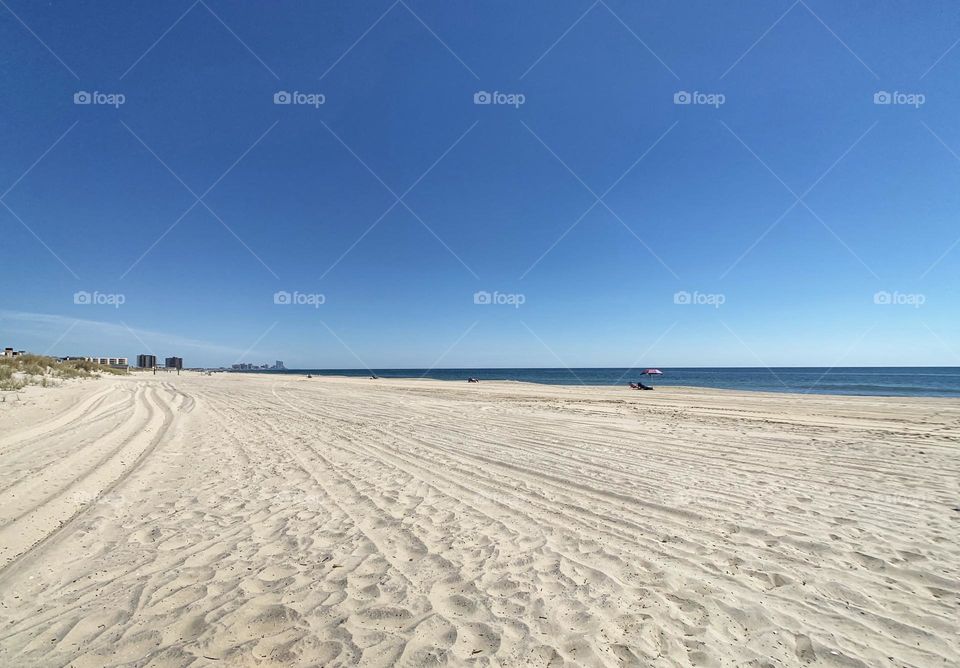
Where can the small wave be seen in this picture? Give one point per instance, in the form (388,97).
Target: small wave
(884,388)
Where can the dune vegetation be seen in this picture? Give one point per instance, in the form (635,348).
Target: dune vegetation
(22,370)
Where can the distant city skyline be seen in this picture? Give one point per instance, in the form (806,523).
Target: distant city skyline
(425,184)
(248,366)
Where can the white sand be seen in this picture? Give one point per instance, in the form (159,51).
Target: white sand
(248,520)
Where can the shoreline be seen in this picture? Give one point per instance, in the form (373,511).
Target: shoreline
(659,387)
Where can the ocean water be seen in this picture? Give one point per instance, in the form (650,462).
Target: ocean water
(870,381)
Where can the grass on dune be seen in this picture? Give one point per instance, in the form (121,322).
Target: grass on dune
(22,370)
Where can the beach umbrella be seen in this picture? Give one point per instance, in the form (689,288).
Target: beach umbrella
(652,372)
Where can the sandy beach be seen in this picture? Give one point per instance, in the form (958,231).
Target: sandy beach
(264,520)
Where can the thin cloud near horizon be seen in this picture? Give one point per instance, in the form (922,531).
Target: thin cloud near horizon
(47,330)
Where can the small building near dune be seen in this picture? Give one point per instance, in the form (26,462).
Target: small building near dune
(10,352)
(115,362)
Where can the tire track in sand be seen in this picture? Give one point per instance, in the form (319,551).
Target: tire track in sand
(49,519)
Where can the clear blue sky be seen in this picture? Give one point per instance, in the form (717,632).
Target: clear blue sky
(693,198)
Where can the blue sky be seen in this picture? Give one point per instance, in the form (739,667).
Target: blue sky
(760,224)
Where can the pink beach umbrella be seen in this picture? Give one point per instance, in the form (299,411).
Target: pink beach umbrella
(652,372)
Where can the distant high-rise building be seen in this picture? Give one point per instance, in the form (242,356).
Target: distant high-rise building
(146,361)
(278,365)
(174,363)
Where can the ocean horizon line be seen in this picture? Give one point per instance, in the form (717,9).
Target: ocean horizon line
(576,368)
